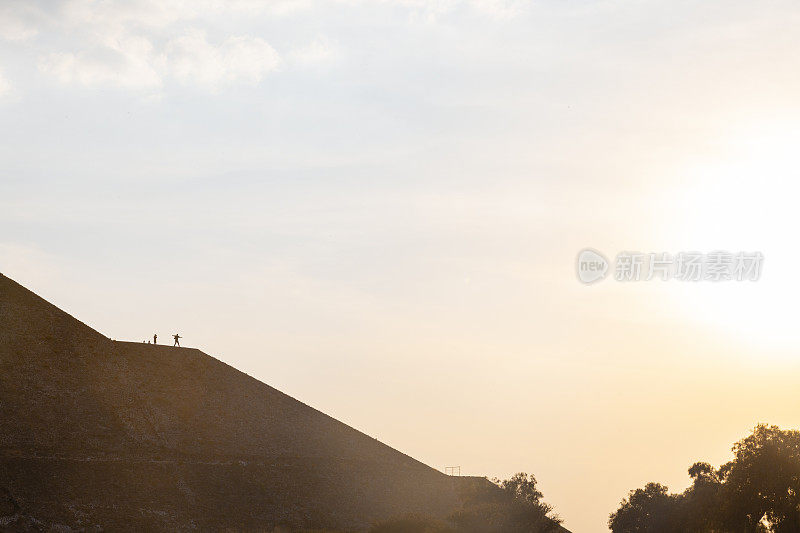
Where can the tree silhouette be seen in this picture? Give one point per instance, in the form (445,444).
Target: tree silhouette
(517,507)
(759,490)
(651,509)
(511,506)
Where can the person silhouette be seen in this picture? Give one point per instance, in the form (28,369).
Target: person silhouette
(176,337)
(155,339)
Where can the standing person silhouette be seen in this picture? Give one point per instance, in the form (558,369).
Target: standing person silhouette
(155,338)
(176,337)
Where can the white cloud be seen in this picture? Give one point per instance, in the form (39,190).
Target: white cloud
(432,10)
(276,7)
(162,13)
(191,59)
(127,61)
(133,44)
(97,43)
(427,10)
(5,87)
(320,51)
(17,20)
(131,61)
(500,8)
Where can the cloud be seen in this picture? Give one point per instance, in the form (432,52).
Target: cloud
(432,10)
(126,62)
(191,59)
(150,14)
(144,44)
(275,7)
(18,20)
(5,86)
(132,61)
(320,51)
(131,45)
(500,9)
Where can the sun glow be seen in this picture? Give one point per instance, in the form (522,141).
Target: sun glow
(747,200)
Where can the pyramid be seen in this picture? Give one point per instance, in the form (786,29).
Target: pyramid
(97,434)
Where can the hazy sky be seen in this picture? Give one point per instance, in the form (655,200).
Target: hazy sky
(375,206)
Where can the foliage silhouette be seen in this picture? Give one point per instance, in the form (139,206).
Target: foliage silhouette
(511,506)
(759,490)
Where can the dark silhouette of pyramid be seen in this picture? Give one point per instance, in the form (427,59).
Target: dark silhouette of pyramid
(100,434)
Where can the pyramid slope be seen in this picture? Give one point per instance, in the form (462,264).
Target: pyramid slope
(98,433)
